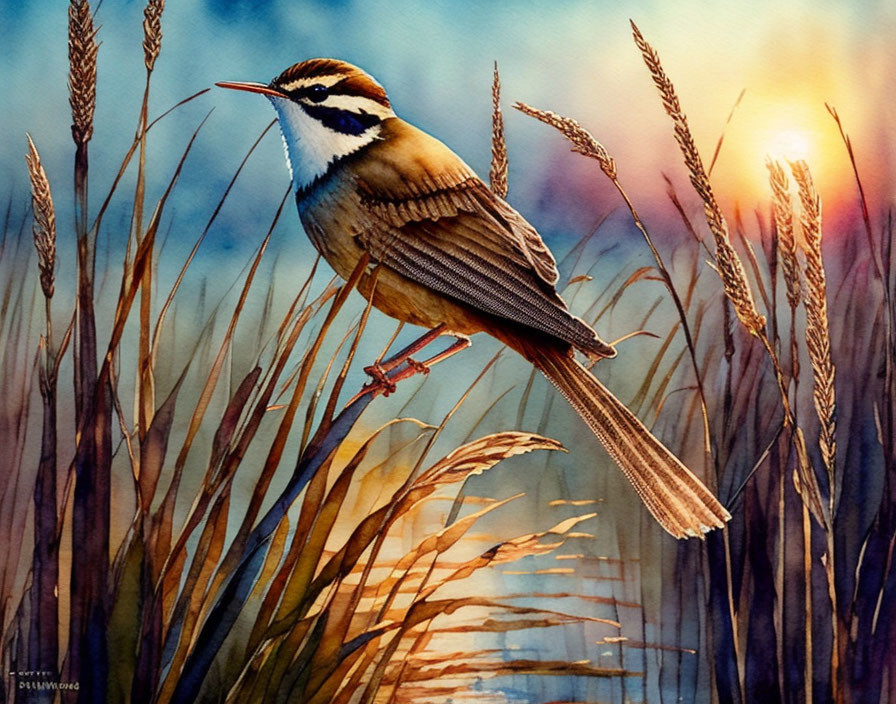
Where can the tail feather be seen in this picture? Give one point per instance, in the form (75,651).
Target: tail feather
(677,499)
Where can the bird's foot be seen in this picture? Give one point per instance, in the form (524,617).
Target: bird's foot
(386,374)
(418,367)
(381,380)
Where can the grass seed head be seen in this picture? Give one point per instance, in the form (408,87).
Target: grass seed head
(44,219)
(818,335)
(498,174)
(730,268)
(783,208)
(583,142)
(82,52)
(152,32)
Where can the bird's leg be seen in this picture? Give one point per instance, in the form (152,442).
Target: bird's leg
(388,373)
(380,368)
(461,342)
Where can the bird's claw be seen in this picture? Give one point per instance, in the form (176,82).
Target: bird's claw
(381,380)
(386,374)
(418,367)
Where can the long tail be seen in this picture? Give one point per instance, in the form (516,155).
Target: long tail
(677,499)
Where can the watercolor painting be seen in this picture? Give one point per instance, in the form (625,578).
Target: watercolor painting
(241,462)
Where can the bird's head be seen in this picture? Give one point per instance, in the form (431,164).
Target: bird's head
(327,109)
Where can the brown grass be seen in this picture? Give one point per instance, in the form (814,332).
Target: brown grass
(82,55)
(583,142)
(44,228)
(498,171)
(818,345)
(783,209)
(818,335)
(152,32)
(730,268)
(331,614)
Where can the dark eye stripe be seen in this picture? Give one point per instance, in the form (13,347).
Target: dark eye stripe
(339,120)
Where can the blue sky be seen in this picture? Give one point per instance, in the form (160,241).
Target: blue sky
(435,59)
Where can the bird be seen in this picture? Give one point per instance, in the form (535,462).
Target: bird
(452,256)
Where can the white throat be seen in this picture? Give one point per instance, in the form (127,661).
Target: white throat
(311,147)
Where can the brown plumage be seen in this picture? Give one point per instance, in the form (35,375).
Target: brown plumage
(451,252)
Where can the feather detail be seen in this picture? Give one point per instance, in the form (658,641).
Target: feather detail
(423,179)
(678,500)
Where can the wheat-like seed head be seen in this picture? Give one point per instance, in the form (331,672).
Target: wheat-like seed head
(783,208)
(583,142)
(498,173)
(818,337)
(730,267)
(44,227)
(82,51)
(152,32)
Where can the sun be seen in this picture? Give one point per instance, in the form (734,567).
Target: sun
(785,129)
(792,144)
(789,130)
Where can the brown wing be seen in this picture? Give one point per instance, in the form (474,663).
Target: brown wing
(432,220)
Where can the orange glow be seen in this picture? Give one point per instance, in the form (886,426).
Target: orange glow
(788,129)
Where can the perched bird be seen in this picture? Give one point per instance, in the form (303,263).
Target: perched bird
(451,254)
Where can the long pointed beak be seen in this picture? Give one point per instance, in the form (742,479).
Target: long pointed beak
(252,88)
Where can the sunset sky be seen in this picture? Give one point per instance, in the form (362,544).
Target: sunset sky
(764,74)
(435,60)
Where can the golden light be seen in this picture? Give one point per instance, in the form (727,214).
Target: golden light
(785,129)
(791,144)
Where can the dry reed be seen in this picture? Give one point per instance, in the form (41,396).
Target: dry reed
(44,227)
(818,336)
(152,32)
(366,655)
(818,345)
(783,209)
(583,142)
(730,268)
(729,265)
(82,54)
(738,291)
(498,172)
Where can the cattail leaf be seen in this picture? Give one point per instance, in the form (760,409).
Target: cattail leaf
(154,447)
(325,514)
(192,594)
(125,621)
(271,597)
(169,592)
(278,545)
(229,420)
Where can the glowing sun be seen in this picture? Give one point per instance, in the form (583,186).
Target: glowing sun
(783,129)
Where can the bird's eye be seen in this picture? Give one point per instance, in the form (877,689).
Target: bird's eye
(317,93)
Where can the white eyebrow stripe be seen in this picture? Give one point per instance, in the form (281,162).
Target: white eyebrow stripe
(328,80)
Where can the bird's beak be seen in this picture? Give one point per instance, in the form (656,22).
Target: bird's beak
(252,88)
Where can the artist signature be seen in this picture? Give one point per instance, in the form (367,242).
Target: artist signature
(41,680)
